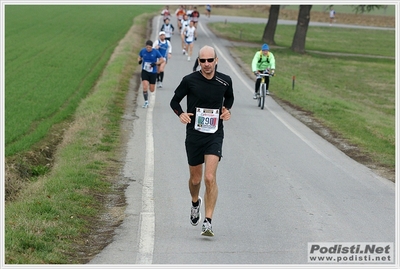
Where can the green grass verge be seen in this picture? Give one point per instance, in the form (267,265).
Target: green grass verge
(326,39)
(47,222)
(354,96)
(261,11)
(389,10)
(53,56)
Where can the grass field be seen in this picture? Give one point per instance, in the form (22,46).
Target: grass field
(52,217)
(326,39)
(54,55)
(387,10)
(318,14)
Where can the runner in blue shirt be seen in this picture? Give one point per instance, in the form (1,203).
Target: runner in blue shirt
(149,58)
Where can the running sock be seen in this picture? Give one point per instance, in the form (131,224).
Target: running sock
(207,219)
(195,203)
(161,76)
(145,95)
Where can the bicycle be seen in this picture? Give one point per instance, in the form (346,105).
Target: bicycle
(263,89)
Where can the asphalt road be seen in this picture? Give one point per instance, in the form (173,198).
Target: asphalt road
(281,185)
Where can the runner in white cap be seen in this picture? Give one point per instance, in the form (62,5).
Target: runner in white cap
(165,49)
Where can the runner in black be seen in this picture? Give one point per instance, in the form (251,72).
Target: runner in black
(209,97)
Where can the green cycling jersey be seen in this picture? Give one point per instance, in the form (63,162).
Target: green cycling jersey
(263,62)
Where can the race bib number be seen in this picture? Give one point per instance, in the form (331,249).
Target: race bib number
(206,120)
(147,67)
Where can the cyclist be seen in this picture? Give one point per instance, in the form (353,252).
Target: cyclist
(263,61)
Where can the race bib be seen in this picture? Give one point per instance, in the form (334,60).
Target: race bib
(206,120)
(147,67)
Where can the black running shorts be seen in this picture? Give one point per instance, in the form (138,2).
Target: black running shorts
(150,77)
(199,145)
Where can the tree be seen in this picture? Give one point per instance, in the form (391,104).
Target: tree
(303,20)
(269,30)
(299,39)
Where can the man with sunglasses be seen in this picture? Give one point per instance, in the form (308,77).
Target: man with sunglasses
(209,96)
(263,62)
(196,64)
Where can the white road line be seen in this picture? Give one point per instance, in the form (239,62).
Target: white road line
(147,216)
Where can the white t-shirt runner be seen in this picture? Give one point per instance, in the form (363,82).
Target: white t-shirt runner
(189,33)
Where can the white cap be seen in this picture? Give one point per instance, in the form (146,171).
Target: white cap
(162,33)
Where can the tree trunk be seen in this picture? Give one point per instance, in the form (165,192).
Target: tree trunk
(269,31)
(299,39)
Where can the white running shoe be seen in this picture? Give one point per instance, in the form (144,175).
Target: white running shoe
(189,59)
(195,214)
(146,104)
(159,84)
(207,229)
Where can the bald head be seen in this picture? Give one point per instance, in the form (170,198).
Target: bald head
(207,52)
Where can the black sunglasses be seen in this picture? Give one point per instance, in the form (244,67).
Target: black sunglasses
(210,60)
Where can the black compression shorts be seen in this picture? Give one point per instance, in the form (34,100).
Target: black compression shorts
(198,146)
(150,77)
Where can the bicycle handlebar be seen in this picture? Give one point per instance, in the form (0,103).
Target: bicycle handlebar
(265,74)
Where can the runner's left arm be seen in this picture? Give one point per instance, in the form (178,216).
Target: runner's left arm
(169,47)
(228,97)
(180,92)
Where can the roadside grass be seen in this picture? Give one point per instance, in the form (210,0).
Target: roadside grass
(53,56)
(377,18)
(326,39)
(389,10)
(49,220)
(353,95)
(261,11)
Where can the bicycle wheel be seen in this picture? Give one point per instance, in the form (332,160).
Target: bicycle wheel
(262,95)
